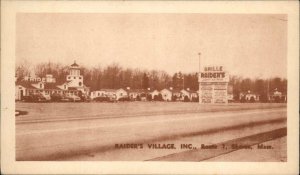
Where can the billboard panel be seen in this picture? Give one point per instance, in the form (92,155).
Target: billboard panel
(213,74)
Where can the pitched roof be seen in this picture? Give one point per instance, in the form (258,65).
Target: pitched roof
(190,91)
(137,90)
(75,64)
(108,90)
(175,91)
(26,84)
(51,86)
(72,88)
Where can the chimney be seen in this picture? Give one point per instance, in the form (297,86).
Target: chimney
(171,88)
(148,89)
(188,89)
(128,88)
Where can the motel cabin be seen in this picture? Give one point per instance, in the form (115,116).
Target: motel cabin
(154,93)
(138,94)
(166,94)
(114,94)
(189,93)
(170,94)
(249,97)
(277,97)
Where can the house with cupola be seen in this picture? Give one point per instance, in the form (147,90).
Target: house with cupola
(73,85)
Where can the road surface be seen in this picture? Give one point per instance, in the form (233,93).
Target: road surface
(91,131)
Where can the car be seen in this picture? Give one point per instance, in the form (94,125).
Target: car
(124,99)
(35,98)
(65,99)
(73,98)
(101,99)
(56,97)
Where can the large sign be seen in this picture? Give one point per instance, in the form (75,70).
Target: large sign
(213,85)
(213,74)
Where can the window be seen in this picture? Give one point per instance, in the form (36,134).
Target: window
(65,87)
(121,94)
(80,83)
(41,85)
(74,77)
(79,77)
(69,77)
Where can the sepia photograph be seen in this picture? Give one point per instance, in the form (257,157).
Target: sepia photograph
(151,87)
(112,85)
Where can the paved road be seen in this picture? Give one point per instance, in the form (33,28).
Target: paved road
(95,139)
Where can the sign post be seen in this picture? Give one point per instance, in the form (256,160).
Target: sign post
(199,76)
(213,85)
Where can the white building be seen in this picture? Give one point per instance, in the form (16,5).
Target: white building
(154,93)
(189,93)
(114,94)
(249,97)
(48,85)
(167,94)
(141,94)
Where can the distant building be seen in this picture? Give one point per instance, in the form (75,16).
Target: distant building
(138,94)
(277,97)
(189,93)
(154,93)
(166,94)
(48,85)
(249,97)
(170,94)
(114,94)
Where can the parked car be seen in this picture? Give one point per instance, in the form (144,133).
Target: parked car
(73,98)
(35,98)
(66,99)
(56,97)
(124,99)
(101,99)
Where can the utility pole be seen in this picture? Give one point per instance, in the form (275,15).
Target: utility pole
(199,76)
(268,89)
(183,82)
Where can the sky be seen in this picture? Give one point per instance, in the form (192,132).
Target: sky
(253,45)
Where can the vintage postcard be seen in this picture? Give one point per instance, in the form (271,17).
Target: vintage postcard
(149,87)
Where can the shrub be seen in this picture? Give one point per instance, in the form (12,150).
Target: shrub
(186,99)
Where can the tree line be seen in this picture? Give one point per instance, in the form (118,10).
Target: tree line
(114,76)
